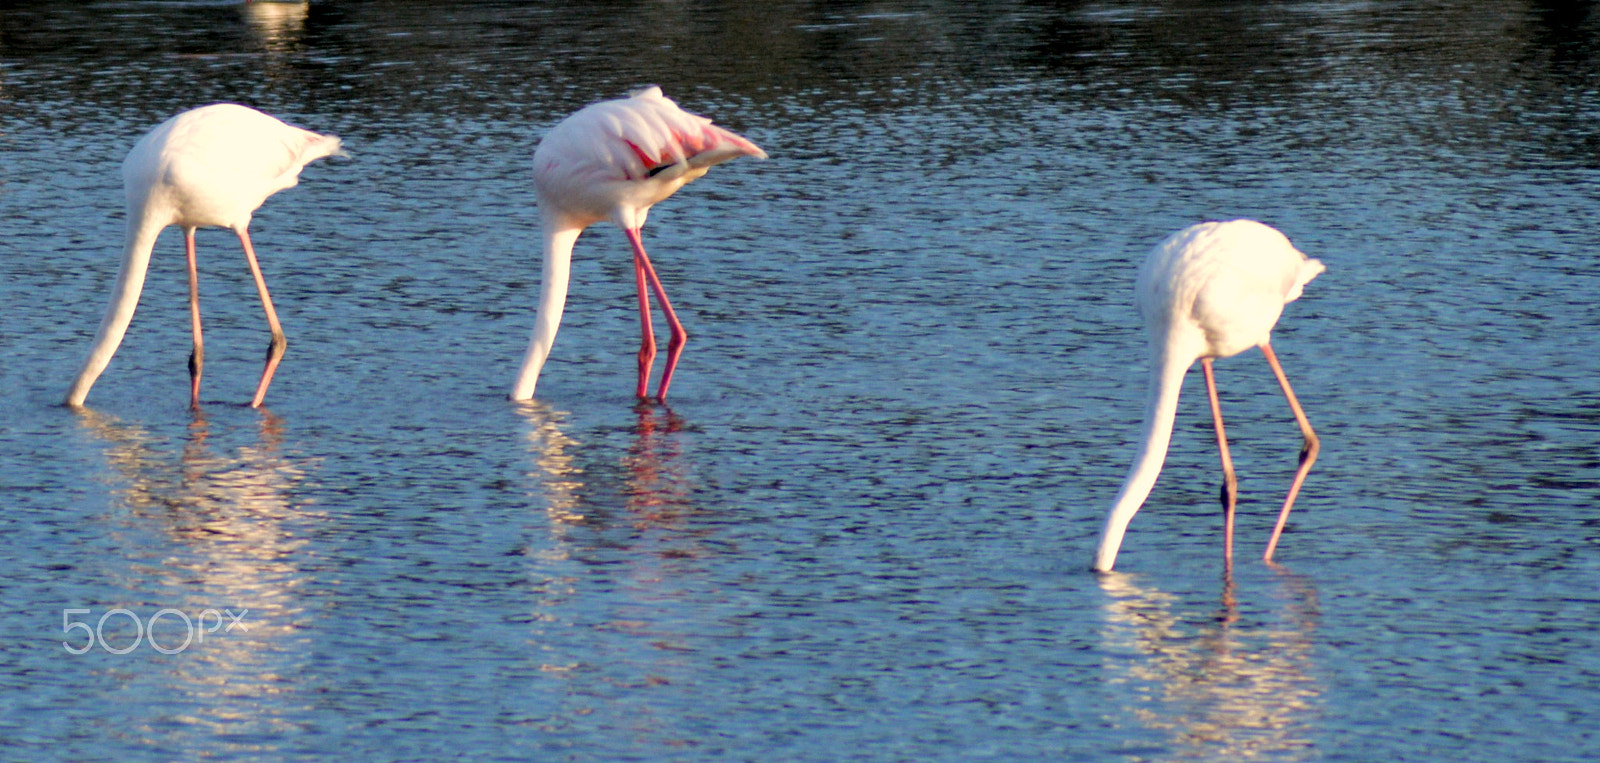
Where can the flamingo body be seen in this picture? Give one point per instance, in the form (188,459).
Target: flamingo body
(1217,289)
(214,166)
(1212,290)
(211,166)
(613,161)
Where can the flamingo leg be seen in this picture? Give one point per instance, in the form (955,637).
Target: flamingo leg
(1230,483)
(1308,453)
(679,336)
(647,345)
(279,341)
(197,358)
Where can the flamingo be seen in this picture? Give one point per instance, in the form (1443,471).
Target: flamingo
(1212,290)
(612,161)
(210,166)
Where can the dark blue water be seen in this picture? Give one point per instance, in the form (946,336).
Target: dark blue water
(862,529)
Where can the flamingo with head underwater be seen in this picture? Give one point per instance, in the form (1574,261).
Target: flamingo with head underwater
(210,166)
(1211,290)
(613,161)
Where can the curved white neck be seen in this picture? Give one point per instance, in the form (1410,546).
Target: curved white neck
(559,236)
(1167,369)
(138,243)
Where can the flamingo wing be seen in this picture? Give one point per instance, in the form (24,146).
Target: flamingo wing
(218,163)
(638,137)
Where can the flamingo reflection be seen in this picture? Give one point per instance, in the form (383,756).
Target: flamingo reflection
(276,26)
(559,477)
(611,580)
(223,538)
(658,482)
(1214,687)
(651,483)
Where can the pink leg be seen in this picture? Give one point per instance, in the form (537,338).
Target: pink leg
(1230,483)
(1308,453)
(279,342)
(647,345)
(679,336)
(197,358)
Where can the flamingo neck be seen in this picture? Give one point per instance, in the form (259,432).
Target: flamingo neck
(559,237)
(139,241)
(1167,370)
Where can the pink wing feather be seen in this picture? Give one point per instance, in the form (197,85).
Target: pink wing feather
(632,138)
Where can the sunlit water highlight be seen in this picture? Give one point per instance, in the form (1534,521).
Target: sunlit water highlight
(863,528)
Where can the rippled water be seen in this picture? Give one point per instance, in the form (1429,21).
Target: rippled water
(862,529)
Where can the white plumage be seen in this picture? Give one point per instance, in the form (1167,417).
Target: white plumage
(1211,290)
(613,161)
(210,166)
(215,165)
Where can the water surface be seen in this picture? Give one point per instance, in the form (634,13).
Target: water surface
(862,528)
